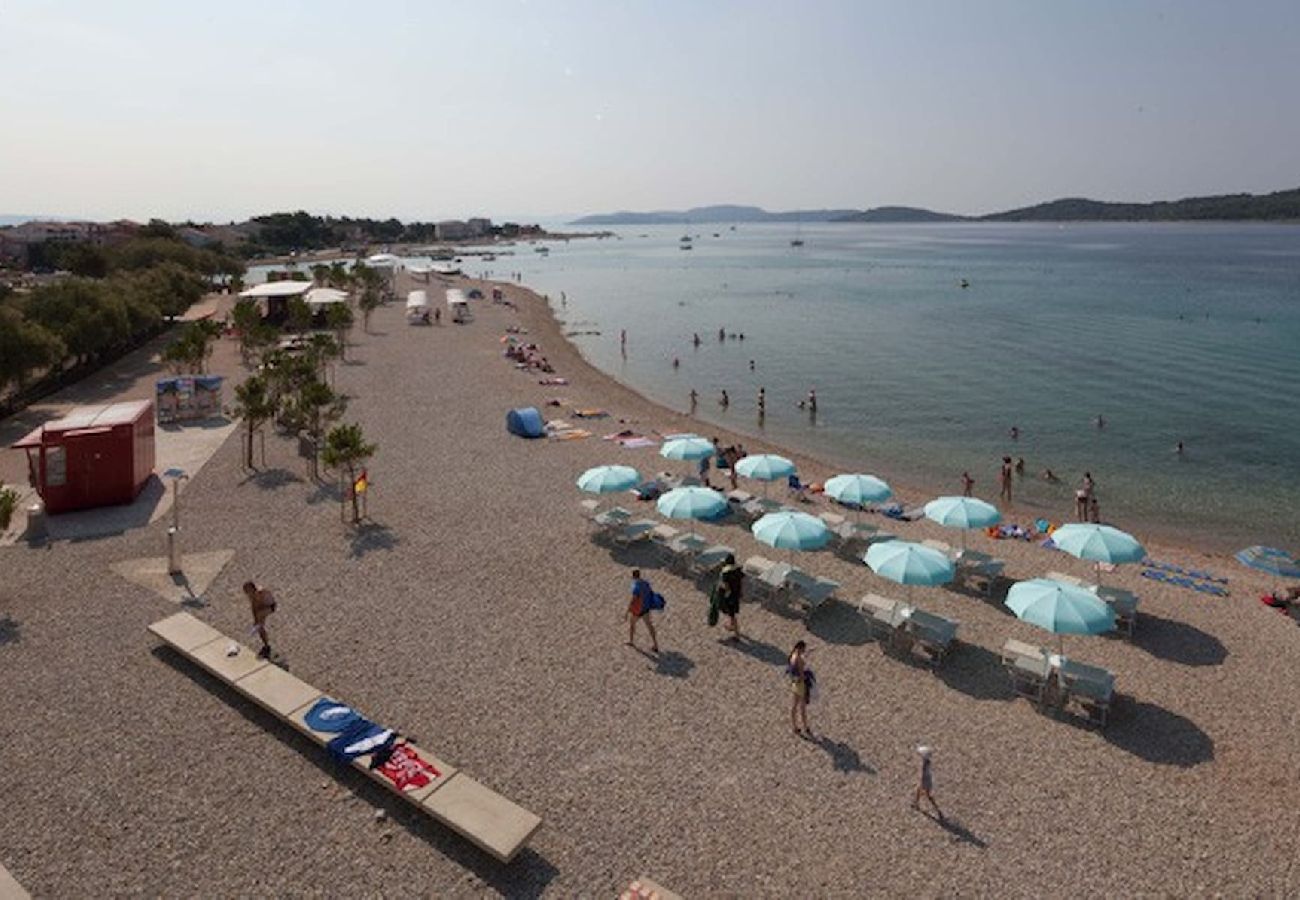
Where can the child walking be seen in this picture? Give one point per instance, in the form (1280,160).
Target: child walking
(925,782)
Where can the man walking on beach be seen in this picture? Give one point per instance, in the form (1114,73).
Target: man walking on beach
(262,603)
(639,608)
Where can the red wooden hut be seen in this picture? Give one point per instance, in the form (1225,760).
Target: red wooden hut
(93,456)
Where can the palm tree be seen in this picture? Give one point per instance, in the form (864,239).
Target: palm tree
(346,449)
(254,403)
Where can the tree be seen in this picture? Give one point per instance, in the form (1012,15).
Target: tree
(25,347)
(84,259)
(338,276)
(157,228)
(254,404)
(254,334)
(313,408)
(191,349)
(339,319)
(370,299)
(88,317)
(300,314)
(323,349)
(320,273)
(346,449)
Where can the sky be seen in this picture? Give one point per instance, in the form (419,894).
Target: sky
(518,108)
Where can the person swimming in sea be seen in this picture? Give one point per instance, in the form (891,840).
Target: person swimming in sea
(1014,432)
(1050,477)
(724,401)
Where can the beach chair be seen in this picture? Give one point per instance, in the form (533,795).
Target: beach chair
(709,561)
(809,590)
(739,497)
(884,617)
(631,533)
(1090,688)
(833,520)
(979,571)
(1124,604)
(432,785)
(1029,669)
(766,579)
(851,538)
(661,538)
(931,636)
(589,508)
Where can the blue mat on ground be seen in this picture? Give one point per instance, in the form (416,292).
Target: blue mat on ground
(1185,581)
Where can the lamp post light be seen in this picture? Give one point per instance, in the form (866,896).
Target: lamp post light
(173,533)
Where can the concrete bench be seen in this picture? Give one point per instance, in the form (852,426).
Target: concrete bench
(475,812)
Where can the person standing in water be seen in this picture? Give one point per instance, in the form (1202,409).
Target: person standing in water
(695,400)
(724,400)
(967,485)
(762,401)
(812,401)
(722,334)
(695,339)
(1005,480)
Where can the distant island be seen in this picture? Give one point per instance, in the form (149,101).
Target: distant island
(1274,207)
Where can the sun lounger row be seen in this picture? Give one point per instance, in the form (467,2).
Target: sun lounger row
(1058,682)
(780,581)
(852,538)
(434,786)
(974,570)
(907,630)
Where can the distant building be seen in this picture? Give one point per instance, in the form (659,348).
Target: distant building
(479,227)
(451,230)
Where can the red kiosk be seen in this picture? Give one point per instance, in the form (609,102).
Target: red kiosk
(93,456)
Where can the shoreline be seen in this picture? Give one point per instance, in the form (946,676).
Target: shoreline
(608,391)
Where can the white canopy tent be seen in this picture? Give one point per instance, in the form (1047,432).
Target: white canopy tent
(417,300)
(277,289)
(318,298)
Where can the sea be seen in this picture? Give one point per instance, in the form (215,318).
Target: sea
(927,344)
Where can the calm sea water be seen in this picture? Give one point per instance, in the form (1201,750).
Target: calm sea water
(1171,332)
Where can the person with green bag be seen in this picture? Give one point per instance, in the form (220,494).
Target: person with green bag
(725,598)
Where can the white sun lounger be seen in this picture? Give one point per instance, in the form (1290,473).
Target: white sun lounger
(1029,669)
(1123,603)
(490,821)
(1091,688)
(810,590)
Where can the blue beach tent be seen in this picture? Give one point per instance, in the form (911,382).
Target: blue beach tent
(525,422)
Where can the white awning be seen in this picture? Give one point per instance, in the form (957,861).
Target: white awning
(456,297)
(326,296)
(417,300)
(278,289)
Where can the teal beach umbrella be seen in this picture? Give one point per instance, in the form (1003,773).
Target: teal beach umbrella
(962,512)
(687,448)
(765,467)
(857,489)
(608,479)
(1099,543)
(691,503)
(910,564)
(1059,608)
(791,531)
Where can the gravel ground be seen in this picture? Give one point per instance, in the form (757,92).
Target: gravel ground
(474,613)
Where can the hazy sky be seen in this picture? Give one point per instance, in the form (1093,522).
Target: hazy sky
(225,109)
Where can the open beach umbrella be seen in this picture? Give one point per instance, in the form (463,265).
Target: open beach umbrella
(1270,559)
(857,489)
(608,479)
(687,448)
(1099,543)
(1059,608)
(691,503)
(765,467)
(962,512)
(792,531)
(908,564)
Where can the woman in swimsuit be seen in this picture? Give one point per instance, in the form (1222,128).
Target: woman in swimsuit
(801,682)
(262,603)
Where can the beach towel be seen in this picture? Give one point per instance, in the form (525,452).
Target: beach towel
(331,716)
(554,381)
(590,414)
(570,434)
(406,769)
(358,739)
(638,443)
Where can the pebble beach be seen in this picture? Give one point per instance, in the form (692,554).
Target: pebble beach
(474,613)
